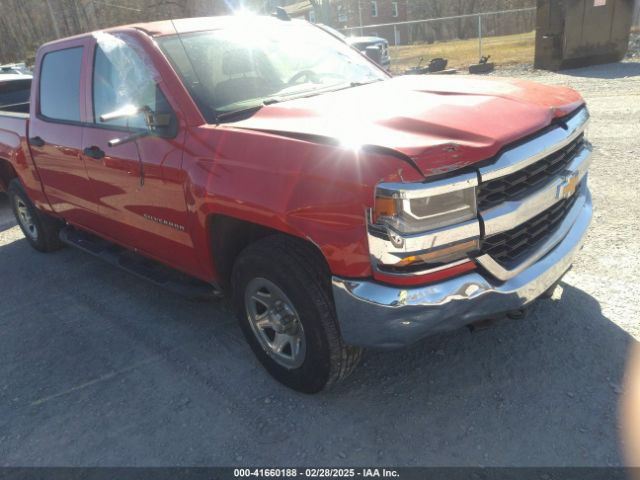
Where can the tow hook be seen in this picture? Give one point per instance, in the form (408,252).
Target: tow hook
(490,322)
(518,314)
(550,291)
(485,324)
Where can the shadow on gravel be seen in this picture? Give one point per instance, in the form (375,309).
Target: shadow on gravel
(100,368)
(538,391)
(606,71)
(7,220)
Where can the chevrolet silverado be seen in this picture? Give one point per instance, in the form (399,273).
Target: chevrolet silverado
(339,207)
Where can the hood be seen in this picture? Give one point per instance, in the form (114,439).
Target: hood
(442,123)
(357,40)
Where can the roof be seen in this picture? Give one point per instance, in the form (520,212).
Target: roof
(298,9)
(365,39)
(199,24)
(184,25)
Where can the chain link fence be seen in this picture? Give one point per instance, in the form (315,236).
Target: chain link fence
(508,36)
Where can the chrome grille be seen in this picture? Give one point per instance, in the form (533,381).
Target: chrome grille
(511,247)
(521,183)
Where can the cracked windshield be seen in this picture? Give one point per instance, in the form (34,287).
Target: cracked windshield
(237,69)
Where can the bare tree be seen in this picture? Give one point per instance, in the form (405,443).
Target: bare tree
(26,24)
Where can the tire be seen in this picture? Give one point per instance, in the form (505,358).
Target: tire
(40,230)
(291,271)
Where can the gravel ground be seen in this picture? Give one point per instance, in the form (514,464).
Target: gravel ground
(97,368)
(634,45)
(608,264)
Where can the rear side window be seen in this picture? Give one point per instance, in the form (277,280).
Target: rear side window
(60,85)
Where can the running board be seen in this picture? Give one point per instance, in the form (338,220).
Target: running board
(140,266)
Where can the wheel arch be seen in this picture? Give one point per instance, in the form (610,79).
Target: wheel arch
(7,173)
(229,236)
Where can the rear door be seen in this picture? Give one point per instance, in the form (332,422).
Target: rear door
(138,186)
(55,129)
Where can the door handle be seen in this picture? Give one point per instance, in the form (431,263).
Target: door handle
(94,152)
(119,164)
(36,141)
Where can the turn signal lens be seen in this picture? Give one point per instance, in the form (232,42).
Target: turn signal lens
(384,207)
(442,255)
(415,280)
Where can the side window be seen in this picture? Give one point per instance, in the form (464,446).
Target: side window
(60,85)
(122,79)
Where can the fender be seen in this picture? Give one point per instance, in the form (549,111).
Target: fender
(313,191)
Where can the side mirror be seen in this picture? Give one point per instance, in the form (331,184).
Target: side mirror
(124,112)
(154,122)
(374,53)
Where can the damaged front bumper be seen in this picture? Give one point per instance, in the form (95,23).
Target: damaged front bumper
(372,314)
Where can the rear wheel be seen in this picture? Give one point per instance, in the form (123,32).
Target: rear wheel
(282,296)
(40,230)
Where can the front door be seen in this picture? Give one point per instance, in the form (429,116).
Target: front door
(138,185)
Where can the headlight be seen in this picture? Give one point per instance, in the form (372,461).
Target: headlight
(424,225)
(414,208)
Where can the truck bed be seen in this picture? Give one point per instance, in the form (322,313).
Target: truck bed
(15,92)
(13,128)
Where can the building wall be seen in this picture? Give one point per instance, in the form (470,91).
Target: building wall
(354,13)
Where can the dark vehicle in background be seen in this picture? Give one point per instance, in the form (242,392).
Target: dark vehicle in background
(15,69)
(14,93)
(362,44)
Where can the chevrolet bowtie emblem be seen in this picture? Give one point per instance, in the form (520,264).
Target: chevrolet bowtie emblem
(568,186)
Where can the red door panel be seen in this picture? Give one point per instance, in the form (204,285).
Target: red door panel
(55,129)
(141,204)
(61,168)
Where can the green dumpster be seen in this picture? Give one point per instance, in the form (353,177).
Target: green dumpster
(575,33)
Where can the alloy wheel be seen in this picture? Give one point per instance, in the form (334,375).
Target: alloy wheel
(26,219)
(275,323)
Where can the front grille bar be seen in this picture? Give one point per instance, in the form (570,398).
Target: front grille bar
(519,184)
(523,155)
(542,246)
(510,248)
(527,199)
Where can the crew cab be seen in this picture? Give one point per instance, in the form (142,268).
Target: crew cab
(339,207)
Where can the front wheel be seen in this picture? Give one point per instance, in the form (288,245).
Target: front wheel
(40,230)
(282,297)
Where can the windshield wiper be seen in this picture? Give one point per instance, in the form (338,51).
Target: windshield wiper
(319,91)
(248,111)
(241,112)
(359,84)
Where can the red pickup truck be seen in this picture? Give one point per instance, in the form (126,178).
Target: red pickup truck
(341,208)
